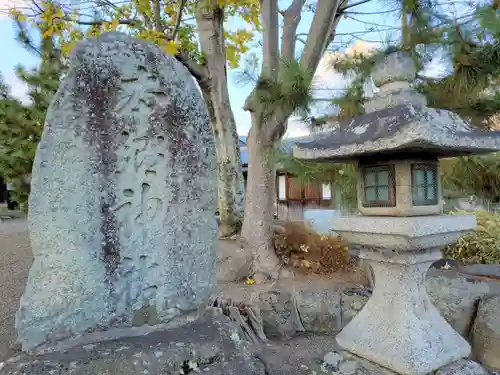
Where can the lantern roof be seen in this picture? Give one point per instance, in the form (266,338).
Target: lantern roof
(398,123)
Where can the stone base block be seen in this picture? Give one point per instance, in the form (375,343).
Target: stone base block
(402,233)
(210,346)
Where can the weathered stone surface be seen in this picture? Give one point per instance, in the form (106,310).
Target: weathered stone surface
(486,333)
(456,298)
(403,128)
(279,313)
(488,270)
(209,346)
(402,233)
(399,328)
(320,310)
(352,301)
(463,367)
(123,196)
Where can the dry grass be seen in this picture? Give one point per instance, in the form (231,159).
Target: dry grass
(300,247)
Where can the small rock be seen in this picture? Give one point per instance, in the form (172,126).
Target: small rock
(363,366)
(445,264)
(463,367)
(486,333)
(357,305)
(348,367)
(353,300)
(456,299)
(320,311)
(285,274)
(332,360)
(279,313)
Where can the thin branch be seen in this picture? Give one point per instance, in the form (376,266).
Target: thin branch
(198,71)
(179,19)
(109,3)
(367,22)
(96,23)
(355,4)
(291,20)
(37,6)
(374,13)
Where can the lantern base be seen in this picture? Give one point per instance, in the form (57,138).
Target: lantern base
(399,328)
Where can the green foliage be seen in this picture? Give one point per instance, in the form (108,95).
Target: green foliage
(21,124)
(474,175)
(351,103)
(291,91)
(473,48)
(481,246)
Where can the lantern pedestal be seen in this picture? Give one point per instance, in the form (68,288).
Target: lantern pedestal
(399,327)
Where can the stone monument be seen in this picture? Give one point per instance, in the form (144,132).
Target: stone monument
(396,145)
(123,196)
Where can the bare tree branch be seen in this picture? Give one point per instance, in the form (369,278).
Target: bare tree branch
(367,22)
(291,20)
(319,33)
(332,36)
(349,6)
(270,63)
(100,22)
(395,10)
(35,4)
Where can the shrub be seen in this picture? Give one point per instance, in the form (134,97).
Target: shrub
(482,246)
(299,246)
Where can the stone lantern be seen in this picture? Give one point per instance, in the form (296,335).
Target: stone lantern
(401,231)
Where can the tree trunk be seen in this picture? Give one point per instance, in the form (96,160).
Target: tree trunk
(257,233)
(230,183)
(269,120)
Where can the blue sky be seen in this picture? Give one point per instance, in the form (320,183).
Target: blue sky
(357,25)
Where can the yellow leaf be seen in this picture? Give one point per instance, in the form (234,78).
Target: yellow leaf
(250,281)
(114,24)
(232,55)
(18,16)
(170,47)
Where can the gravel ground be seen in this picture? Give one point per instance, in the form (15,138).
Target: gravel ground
(15,261)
